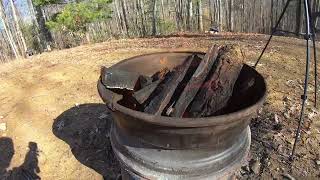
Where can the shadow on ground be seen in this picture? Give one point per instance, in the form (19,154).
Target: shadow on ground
(86,129)
(27,171)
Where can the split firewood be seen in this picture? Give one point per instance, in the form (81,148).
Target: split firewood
(144,81)
(143,94)
(162,95)
(218,87)
(193,67)
(242,90)
(195,82)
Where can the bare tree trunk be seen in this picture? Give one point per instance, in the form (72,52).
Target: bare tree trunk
(141,13)
(210,12)
(178,9)
(200,18)
(154,17)
(298,17)
(8,32)
(23,46)
(189,15)
(317,10)
(5,47)
(118,15)
(124,13)
(136,16)
(243,16)
(231,14)
(45,34)
(219,14)
(217,20)
(34,22)
(162,10)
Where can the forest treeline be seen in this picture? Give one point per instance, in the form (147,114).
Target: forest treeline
(67,23)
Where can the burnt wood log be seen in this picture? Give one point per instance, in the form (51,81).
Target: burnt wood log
(143,94)
(195,82)
(144,81)
(160,98)
(218,87)
(242,91)
(193,67)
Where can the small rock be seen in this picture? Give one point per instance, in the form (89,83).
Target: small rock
(77,104)
(307,102)
(3,126)
(276,118)
(287,99)
(290,141)
(314,110)
(288,176)
(1,117)
(290,83)
(286,115)
(255,166)
(318,162)
(312,115)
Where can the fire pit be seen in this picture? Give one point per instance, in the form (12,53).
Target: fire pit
(160,147)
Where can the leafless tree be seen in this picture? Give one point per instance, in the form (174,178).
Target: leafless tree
(8,31)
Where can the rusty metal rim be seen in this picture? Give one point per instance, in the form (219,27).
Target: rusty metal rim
(180,122)
(190,122)
(136,164)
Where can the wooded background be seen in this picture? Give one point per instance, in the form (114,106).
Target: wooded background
(64,24)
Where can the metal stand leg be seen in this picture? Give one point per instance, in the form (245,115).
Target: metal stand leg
(315,58)
(306,81)
(313,35)
(310,33)
(272,32)
(315,68)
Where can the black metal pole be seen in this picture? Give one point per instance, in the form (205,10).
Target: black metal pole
(272,33)
(306,81)
(313,32)
(315,68)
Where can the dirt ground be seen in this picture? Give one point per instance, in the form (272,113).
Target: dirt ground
(53,124)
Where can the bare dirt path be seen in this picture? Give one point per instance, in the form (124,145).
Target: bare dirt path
(57,126)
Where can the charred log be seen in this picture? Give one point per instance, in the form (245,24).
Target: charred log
(163,93)
(218,87)
(195,82)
